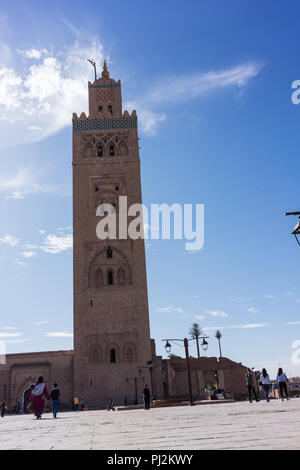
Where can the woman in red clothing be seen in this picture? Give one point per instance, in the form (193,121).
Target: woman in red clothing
(38,395)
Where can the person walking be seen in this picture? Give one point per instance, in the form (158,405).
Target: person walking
(3,408)
(264,380)
(76,403)
(54,397)
(146,393)
(82,404)
(38,394)
(282,380)
(111,405)
(250,385)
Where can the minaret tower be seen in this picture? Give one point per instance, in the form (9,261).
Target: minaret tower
(111,320)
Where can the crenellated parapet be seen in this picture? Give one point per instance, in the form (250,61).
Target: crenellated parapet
(83,116)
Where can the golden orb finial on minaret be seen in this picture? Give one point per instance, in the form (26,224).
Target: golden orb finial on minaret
(105,72)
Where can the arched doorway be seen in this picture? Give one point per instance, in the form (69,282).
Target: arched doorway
(26,399)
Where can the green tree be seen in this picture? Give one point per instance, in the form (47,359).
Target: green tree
(195,333)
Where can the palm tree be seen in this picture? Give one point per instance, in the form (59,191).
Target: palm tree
(195,332)
(219,335)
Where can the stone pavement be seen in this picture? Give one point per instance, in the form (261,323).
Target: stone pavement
(274,425)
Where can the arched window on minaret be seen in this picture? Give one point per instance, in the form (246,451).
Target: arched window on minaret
(123,149)
(109,108)
(98,278)
(129,355)
(112,356)
(95,356)
(100,151)
(100,109)
(110,277)
(88,151)
(111,150)
(121,276)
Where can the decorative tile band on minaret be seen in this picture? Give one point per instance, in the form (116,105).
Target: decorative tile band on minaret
(102,124)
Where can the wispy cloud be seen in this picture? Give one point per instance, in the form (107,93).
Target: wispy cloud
(200,317)
(59,334)
(55,244)
(175,89)
(253,310)
(27,181)
(293,323)
(191,86)
(9,240)
(38,97)
(217,313)
(10,328)
(170,309)
(38,323)
(9,335)
(241,299)
(28,254)
(229,327)
(271,297)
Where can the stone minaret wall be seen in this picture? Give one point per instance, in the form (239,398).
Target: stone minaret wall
(107,317)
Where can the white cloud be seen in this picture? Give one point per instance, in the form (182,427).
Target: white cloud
(41,90)
(28,254)
(293,323)
(16,341)
(10,83)
(247,326)
(242,299)
(175,89)
(200,317)
(149,120)
(186,87)
(9,335)
(32,53)
(170,309)
(217,313)
(21,263)
(271,297)
(9,240)
(59,334)
(10,328)
(52,243)
(40,100)
(253,310)
(38,323)
(25,182)
(57,243)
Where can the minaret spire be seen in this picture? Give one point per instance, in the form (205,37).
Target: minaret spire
(105,72)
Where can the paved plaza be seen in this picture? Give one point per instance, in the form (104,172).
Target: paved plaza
(274,425)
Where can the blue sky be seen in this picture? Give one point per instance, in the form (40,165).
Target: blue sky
(211,82)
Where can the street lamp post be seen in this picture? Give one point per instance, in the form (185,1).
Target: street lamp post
(135,385)
(185,341)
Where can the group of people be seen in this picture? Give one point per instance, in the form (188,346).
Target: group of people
(146,399)
(74,404)
(39,393)
(265,383)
